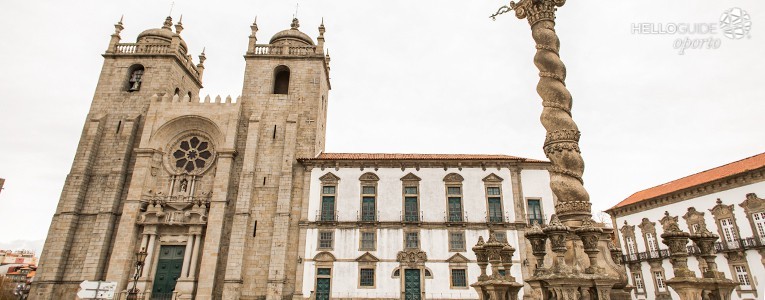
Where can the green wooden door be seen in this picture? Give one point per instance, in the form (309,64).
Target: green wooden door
(322,288)
(169,264)
(412,284)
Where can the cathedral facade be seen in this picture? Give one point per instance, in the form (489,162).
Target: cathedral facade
(236,198)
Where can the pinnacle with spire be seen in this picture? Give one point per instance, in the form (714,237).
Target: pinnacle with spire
(168,23)
(179,25)
(295,23)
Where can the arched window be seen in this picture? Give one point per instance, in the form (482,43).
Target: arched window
(281,80)
(135,73)
(177,92)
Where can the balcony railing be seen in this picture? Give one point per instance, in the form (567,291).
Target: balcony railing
(720,246)
(454,217)
(368,216)
(535,218)
(163,199)
(326,216)
(156,48)
(411,217)
(505,218)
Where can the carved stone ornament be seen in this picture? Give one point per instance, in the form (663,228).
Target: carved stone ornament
(367,258)
(669,223)
(722,211)
(753,204)
(192,153)
(492,178)
(536,10)
(453,177)
(694,217)
(324,257)
(410,177)
(329,178)
(369,176)
(647,226)
(412,257)
(627,230)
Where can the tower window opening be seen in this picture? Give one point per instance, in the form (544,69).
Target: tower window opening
(119,125)
(135,79)
(177,92)
(281,80)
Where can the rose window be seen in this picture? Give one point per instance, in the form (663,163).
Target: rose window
(192,154)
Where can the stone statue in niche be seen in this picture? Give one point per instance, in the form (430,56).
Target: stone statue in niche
(184,185)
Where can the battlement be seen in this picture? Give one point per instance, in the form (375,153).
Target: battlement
(186,100)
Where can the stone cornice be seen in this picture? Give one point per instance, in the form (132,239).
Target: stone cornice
(727,183)
(417,164)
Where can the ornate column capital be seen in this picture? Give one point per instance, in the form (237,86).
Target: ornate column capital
(536,10)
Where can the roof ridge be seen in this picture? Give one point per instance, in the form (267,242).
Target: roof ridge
(693,180)
(700,172)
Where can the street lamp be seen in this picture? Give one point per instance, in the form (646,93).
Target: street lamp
(140,256)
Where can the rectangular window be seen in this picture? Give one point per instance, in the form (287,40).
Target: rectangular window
(501,236)
(324,271)
(493,191)
(456,241)
(327,208)
(630,245)
(412,240)
(368,190)
(729,233)
(368,240)
(651,241)
(411,209)
(367,277)
(759,224)
(455,209)
(660,286)
(368,209)
(325,239)
(534,209)
(639,283)
(328,190)
(410,190)
(458,278)
(495,210)
(454,190)
(743,277)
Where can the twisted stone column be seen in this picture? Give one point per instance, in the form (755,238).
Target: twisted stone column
(562,142)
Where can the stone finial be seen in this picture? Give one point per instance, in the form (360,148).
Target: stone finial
(179,25)
(295,24)
(118,27)
(719,201)
(254,27)
(168,23)
(321,28)
(207,99)
(202,56)
(228,99)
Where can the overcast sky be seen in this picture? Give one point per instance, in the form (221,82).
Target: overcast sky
(407,77)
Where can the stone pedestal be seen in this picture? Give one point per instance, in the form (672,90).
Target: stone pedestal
(495,286)
(713,285)
(185,288)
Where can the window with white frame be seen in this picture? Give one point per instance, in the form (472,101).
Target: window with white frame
(456,241)
(743,277)
(630,245)
(728,230)
(368,240)
(326,239)
(638,283)
(651,241)
(412,240)
(660,286)
(759,224)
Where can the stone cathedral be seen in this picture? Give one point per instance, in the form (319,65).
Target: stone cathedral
(236,198)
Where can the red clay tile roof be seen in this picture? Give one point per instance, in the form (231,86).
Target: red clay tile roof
(734,168)
(410,156)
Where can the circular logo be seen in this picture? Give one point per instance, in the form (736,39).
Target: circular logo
(735,23)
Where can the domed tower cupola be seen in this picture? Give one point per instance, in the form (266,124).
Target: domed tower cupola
(162,35)
(291,36)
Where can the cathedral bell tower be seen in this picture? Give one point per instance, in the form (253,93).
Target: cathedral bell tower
(286,85)
(82,232)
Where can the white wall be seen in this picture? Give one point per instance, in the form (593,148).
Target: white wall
(733,196)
